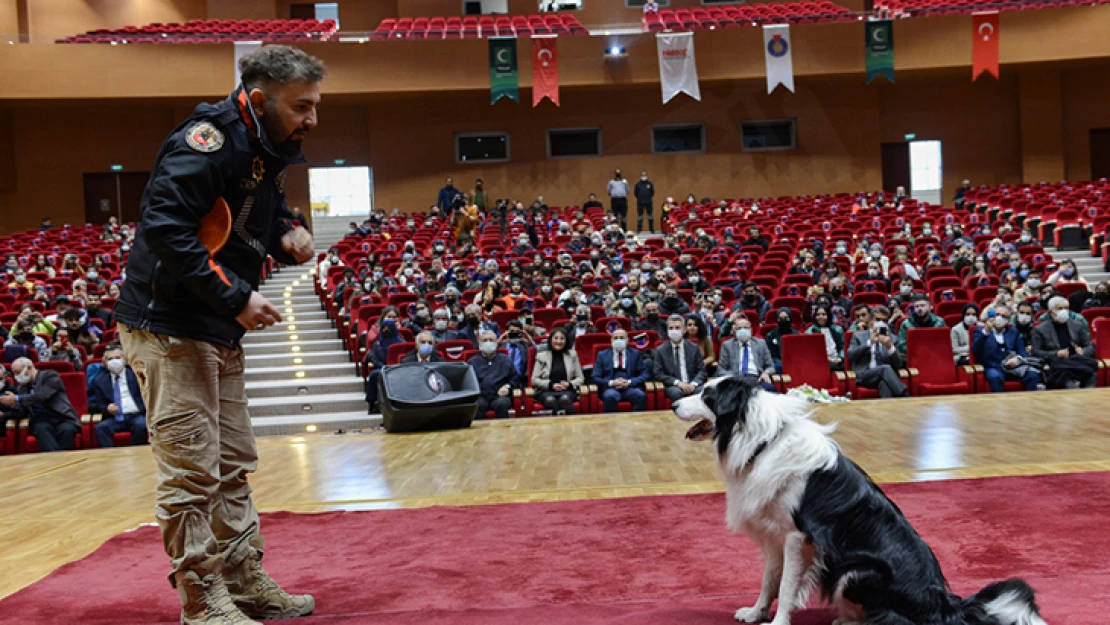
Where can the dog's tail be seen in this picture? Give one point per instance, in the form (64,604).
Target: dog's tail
(1010,602)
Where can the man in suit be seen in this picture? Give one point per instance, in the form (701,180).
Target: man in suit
(747,357)
(496,377)
(425,351)
(992,344)
(1065,344)
(54,422)
(117,395)
(621,373)
(678,363)
(875,359)
(473,326)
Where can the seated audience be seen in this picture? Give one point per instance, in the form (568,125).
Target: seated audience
(378,351)
(425,351)
(517,342)
(497,377)
(920,317)
(1065,345)
(80,333)
(678,362)
(95,311)
(998,347)
(23,340)
(64,351)
(751,299)
(747,357)
(1100,298)
(557,374)
(620,374)
(875,360)
(42,398)
(116,394)
(784,326)
(834,336)
(441,326)
(698,332)
(961,334)
(1067,273)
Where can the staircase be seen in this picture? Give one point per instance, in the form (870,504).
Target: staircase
(299,377)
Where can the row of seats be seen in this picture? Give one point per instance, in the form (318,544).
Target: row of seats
(742,15)
(924,8)
(213,31)
(478,27)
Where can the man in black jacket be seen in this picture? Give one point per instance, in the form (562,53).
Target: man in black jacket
(645,196)
(42,396)
(213,210)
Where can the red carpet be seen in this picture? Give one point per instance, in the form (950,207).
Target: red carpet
(652,560)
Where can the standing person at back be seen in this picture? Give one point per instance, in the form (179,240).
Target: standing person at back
(213,210)
(618,196)
(645,195)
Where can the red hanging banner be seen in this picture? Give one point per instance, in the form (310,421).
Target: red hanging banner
(984,50)
(545,70)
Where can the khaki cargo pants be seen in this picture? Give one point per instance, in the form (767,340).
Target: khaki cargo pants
(203,444)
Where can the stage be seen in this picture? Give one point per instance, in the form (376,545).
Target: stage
(58,508)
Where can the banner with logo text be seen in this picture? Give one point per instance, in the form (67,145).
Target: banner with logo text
(503,79)
(779,57)
(984,50)
(879,40)
(545,70)
(678,69)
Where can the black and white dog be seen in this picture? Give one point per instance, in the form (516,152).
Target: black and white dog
(820,520)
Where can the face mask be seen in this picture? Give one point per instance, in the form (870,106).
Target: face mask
(626,302)
(20,278)
(389,327)
(836,291)
(970,319)
(408,272)
(674,335)
(115,365)
(716,300)
(91,275)
(1033,283)
(743,335)
(1069,272)
(1024,273)
(377,275)
(927,232)
(619,345)
(841,251)
(1061,316)
(125,249)
(784,325)
(441,325)
(23,378)
(871,273)
(1025,319)
(1025,238)
(1101,295)
(489,347)
(906,290)
(670,302)
(999,322)
(749,297)
(653,317)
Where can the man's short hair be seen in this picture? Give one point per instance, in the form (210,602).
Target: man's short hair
(678,318)
(1057,301)
(880,310)
(920,297)
(281,65)
(73,314)
(750,285)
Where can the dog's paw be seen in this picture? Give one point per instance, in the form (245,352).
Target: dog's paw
(752,615)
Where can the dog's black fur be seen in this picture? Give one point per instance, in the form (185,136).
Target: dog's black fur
(857,530)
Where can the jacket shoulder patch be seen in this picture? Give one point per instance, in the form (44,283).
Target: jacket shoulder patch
(204,137)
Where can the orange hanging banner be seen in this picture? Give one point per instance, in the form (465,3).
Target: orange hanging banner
(984,49)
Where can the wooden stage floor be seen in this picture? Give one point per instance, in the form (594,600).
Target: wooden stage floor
(56,508)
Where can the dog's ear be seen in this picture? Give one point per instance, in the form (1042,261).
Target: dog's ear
(731,407)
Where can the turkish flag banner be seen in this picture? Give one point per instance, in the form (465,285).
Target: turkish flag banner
(984,49)
(545,70)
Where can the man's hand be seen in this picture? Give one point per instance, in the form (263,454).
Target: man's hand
(113,409)
(503,391)
(560,386)
(686,387)
(1063,353)
(766,379)
(298,244)
(7,399)
(1011,363)
(259,313)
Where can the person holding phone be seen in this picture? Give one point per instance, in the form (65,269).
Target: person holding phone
(63,350)
(875,359)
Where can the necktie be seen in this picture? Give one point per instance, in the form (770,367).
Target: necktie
(744,361)
(678,363)
(116,397)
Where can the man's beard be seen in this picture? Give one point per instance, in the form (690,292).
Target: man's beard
(290,147)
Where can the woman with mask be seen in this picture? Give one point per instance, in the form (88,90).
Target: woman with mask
(834,335)
(962,332)
(979,269)
(1100,298)
(783,327)
(1066,273)
(557,374)
(388,333)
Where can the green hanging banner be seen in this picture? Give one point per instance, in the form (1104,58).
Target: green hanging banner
(503,80)
(880,49)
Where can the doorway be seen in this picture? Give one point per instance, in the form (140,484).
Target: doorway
(915,165)
(1100,153)
(115,194)
(341,190)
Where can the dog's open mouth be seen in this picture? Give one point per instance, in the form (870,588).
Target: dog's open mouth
(700,431)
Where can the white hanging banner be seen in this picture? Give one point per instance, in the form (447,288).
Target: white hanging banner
(678,71)
(243,48)
(779,57)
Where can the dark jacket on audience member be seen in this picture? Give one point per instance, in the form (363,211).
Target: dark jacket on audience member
(989,353)
(666,367)
(102,394)
(637,373)
(49,393)
(413,356)
(493,373)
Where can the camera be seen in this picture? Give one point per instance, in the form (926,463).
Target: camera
(884,331)
(515,334)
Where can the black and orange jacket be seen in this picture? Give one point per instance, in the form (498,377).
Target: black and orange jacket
(213,209)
